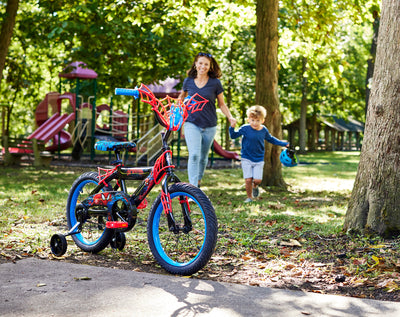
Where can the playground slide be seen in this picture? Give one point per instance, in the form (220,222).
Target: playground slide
(62,141)
(224,153)
(50,130)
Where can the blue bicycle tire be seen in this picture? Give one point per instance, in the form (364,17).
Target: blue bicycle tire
(183,253)
(94,236)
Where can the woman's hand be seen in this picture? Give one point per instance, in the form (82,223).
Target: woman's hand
(233,121)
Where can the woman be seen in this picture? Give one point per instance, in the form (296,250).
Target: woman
(200,127)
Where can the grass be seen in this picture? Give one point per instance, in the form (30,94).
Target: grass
(281,232)
(316,201)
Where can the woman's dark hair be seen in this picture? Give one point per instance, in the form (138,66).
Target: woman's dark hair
(214,72)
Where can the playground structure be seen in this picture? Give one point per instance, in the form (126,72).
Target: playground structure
(78,123)
(50,128)
(72,120)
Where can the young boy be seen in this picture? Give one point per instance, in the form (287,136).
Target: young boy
(253,148)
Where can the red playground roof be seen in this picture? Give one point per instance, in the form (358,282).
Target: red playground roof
(78,70)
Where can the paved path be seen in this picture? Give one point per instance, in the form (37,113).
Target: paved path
(34,287)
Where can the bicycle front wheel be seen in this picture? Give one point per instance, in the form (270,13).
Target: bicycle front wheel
(189,247)
(93,236)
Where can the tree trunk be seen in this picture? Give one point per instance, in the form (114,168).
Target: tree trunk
(375,202)
(267,85)
(371,60)
(7,31)
(303,107)
(314,132)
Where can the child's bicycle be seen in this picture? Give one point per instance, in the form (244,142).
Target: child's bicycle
(181,226)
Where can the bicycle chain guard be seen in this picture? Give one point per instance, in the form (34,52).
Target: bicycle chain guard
(120,212)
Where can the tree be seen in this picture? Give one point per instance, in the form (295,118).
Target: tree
(316,44)
(371,60)
(7,31)
(5,39)
(267,85)
(374,204)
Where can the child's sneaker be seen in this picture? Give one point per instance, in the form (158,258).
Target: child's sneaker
(256,192)
(248,200)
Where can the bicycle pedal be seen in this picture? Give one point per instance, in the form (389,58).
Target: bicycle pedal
(116,225)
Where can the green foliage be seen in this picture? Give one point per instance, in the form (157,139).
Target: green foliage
(333,37)
(128,42)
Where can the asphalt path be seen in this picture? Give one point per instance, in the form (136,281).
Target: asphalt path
(33,287)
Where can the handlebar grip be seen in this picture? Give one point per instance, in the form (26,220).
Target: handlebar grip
(127,92)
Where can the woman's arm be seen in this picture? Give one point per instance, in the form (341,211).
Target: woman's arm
(183,95)
(225,109)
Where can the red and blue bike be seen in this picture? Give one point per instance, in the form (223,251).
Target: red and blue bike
(181,226)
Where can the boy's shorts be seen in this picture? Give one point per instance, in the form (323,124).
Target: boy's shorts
(251,169)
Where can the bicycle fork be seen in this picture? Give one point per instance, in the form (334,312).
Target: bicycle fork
(185,208)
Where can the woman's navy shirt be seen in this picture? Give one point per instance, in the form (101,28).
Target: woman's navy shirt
(208,116)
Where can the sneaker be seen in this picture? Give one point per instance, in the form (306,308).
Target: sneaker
(256,192)
(248,200)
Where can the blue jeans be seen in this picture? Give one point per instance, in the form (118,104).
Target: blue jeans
(198,142)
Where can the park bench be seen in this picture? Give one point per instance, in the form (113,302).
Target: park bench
(15,148)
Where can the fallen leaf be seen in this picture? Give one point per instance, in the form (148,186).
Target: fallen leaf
(6,255)
(82,278)
(378,246)
(246,257)
(378,260)
(270,223)
(360,261)
(291,243)
(359,282)
(389,284)
(289,266)
(298,228)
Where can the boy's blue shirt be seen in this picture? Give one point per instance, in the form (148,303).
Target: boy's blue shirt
(253,141)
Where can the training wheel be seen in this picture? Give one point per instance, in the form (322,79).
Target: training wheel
(118,241)
(58,244)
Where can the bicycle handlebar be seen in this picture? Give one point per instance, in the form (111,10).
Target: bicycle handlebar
(127,92)
(171,113)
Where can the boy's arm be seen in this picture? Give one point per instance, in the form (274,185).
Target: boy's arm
(274,140)
(233,134)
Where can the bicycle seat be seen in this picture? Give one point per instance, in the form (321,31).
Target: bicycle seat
(114,146)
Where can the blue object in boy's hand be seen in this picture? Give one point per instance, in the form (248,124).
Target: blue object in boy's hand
(288,158)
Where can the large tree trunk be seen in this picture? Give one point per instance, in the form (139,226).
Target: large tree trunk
(6,32)
(267,85)
(375,202)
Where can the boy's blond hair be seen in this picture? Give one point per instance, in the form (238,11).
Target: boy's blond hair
(257,112)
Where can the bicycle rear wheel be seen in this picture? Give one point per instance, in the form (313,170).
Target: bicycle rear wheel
(187,250)
(93,236)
